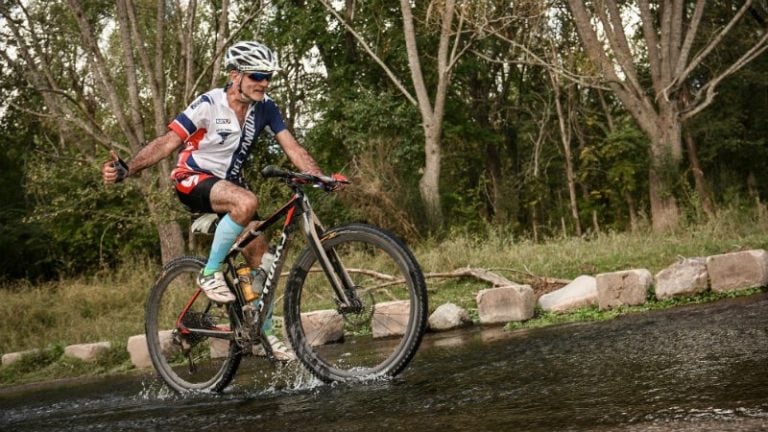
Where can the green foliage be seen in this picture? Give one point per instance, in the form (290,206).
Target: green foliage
(27,252)
(90,225)
(612,170)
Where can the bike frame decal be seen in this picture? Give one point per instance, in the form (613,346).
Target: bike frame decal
(289,216)
(273,267)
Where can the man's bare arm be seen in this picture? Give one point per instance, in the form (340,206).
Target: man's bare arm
(155,151)
(152,153)
(297,154)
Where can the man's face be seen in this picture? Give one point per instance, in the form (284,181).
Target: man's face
(254,84)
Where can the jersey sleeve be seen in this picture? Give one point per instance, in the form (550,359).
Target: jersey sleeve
(274,120)
(195,117)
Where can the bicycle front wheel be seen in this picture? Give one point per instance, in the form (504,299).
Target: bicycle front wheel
(377,338)
(181,326)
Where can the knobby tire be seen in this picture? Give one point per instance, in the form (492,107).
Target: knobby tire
(380,339)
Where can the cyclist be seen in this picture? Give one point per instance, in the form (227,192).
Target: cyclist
(215,134)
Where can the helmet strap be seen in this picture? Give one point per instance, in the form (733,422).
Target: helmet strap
(240,88)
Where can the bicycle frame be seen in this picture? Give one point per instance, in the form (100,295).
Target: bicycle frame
(313,230)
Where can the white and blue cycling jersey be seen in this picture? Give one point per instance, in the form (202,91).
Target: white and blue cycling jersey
(215,142)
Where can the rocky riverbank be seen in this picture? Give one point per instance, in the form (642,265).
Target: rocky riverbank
(507,301)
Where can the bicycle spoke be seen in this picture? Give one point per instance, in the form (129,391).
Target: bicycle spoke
(378,335)
(180,321)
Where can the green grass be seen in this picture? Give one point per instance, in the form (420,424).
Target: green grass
(109,305)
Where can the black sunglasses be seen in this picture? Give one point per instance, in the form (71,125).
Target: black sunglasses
(260,76)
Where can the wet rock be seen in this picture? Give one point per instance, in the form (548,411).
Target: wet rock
(682,278)
(88,351)
(623,288)
(738,270)
(391,318)
(579,293)
(448,316)
(505,304)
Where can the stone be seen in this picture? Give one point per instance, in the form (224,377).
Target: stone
(11,358)
(219,348)
(505,304)
(738,270)
(391,318)
(686,277)
(623,288)
(139,353)
(579,293)
(88,351)
(448,316)
(322,326)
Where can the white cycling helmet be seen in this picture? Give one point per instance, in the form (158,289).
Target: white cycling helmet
(249,56)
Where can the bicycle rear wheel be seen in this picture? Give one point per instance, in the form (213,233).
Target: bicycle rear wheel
(188,360)
(377,339)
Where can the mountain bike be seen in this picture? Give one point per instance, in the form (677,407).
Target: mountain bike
(355,302)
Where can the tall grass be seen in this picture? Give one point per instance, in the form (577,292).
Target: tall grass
(109,305)
(524,261)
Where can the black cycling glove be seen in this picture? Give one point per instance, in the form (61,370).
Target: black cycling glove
(122,169)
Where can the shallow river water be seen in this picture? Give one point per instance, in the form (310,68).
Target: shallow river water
(691,368)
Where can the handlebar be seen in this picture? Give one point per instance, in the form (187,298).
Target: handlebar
(327,183)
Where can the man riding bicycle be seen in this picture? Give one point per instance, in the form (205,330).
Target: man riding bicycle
(217,131)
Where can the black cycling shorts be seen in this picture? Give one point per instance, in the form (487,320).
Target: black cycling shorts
(194,191)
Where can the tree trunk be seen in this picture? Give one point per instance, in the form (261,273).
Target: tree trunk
(702,187)
(564,122)
(431,113)
(169,231)
(429,185)
(666,155)
(632,210)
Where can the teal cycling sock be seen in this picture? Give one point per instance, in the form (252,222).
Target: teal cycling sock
(225,236)
(268,324)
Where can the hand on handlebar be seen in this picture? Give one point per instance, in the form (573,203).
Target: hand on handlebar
(335,182)
(332,183)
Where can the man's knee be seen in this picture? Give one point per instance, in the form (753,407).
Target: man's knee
(249,204)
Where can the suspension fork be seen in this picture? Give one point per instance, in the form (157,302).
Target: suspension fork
(329,261)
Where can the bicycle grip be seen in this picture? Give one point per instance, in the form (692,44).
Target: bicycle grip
(273,171)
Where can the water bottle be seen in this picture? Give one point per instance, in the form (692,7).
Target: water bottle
(260,274)
(244,276)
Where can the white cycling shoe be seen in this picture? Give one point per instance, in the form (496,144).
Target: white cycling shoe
(215,287)
(281,351)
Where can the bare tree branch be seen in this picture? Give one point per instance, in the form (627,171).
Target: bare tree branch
(370,52)
(714,42)
(108,85)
